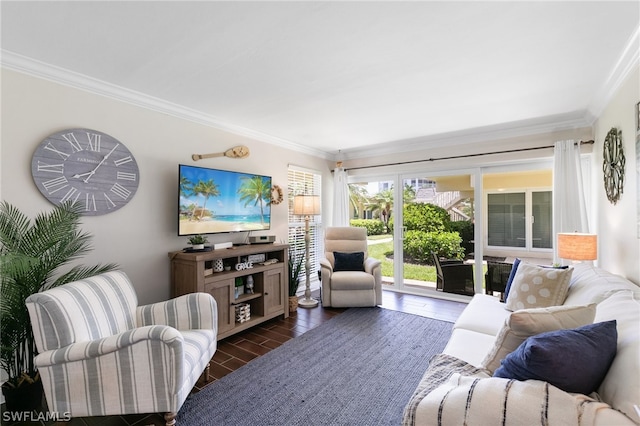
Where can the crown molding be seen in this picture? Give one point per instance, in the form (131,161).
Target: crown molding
(25,65)
(549,124)
(629,59)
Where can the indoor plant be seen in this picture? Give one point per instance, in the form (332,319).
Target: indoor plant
(31,256)
(197,241)
(295,267)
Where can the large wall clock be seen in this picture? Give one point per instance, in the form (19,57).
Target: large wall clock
(613,165)
(87,167)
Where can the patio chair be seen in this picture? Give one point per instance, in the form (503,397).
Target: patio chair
(454,276)
(496,277)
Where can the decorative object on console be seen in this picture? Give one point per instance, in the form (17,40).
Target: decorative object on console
(197,241)
(243,312)
(613,165)
(239,151)
(218,265)
(88,167)
(256,258)
(249,286)
(307,205)
(577,246)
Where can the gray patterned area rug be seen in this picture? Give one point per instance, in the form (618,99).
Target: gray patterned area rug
(359,368)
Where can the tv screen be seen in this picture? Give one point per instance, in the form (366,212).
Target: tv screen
(213,201)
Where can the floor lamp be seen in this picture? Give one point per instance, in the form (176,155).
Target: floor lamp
(307,205)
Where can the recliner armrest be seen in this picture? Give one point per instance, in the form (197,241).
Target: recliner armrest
(370,264)
(325,264)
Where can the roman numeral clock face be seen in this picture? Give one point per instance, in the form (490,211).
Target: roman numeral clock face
(87,167)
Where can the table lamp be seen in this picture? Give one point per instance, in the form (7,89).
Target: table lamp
(577,246)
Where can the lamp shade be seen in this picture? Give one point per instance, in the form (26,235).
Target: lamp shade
(577,246)
(306,205)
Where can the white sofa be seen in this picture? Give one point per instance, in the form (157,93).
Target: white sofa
(475,333)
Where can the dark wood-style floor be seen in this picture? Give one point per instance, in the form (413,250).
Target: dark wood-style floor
(237,350)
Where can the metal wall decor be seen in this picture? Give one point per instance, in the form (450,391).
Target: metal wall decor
(613,165)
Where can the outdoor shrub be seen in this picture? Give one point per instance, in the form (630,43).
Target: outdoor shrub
(373,226)
(418,245)
(425,217)
(465,229)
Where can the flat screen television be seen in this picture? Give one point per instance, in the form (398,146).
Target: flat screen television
(214,201)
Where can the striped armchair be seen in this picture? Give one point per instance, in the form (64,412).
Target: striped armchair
(101,354)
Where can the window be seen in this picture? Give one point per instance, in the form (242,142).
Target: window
(304,181)
(507,219)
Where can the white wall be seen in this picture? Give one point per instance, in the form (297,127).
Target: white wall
(618,239)
(139,236)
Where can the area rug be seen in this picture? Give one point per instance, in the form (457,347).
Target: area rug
(359,368)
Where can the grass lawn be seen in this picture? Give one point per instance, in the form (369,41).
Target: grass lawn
(411,270)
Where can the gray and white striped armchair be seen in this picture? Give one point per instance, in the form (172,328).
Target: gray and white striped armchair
(102,354)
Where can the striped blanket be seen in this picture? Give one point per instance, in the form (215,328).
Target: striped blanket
(453,392)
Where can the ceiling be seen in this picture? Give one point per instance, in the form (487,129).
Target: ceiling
(337,76)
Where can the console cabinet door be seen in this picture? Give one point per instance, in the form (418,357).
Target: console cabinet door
(223,292)
(274,300)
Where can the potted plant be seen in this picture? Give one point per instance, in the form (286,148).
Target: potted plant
(31,255)
(295,267)
(197,241)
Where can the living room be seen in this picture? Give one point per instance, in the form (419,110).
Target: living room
(41,97)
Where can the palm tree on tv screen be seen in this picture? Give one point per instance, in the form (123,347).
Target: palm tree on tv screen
(186,190)
(207,189)
(255,190)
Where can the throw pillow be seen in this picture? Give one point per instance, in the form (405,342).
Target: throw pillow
(538,287)
(348,261)
(514,268)
(575,360)
(528,322)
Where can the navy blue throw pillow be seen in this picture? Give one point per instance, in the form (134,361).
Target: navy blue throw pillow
(574,360)
(348,261)
(514,269)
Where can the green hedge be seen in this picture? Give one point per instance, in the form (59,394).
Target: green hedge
(425,217)
(465,229)
(373,226)
(419,244)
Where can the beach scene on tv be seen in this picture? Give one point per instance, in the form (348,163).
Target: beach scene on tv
(213,201)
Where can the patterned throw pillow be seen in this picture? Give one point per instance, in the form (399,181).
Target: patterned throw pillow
(528,322)
(538,287)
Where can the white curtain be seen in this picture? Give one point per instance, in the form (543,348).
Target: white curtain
(569,207)
(340,198)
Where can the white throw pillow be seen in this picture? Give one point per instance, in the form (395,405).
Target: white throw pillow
(528,322)
(538,287)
